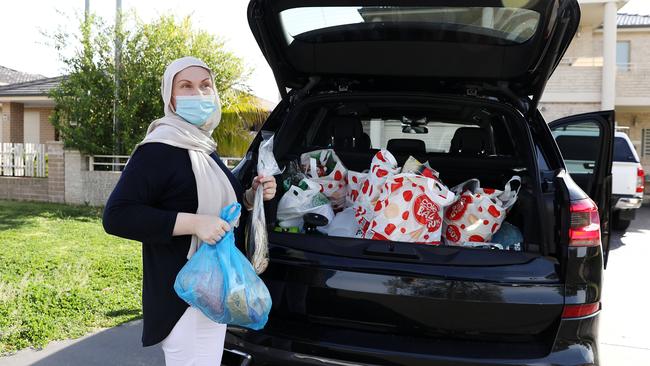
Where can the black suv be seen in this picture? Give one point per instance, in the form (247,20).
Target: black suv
(455,83)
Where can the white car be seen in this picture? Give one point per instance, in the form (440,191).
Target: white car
(580,147)
(627,182)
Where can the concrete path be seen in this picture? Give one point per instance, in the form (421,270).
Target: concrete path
(115,346)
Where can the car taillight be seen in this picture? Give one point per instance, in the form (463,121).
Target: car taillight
(585,224)
(640,176)
(578,311)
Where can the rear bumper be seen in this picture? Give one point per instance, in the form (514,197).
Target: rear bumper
(575,344)
(624,202)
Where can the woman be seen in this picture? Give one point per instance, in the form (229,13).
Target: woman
(169,197)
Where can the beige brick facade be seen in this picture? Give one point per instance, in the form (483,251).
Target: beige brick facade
(575,87)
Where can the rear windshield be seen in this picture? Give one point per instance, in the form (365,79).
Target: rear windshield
(515,25)
(622,151)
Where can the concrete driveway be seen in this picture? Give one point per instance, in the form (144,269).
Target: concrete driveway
(624,322)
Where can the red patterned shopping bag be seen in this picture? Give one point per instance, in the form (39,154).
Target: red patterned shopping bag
(478,212)
(410,209)
(325,168)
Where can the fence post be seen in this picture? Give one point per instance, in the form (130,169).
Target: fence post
(56,172)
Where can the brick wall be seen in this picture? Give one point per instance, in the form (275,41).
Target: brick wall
(24,189)
(56,172)
(83,186)
(553,111)
(572,79)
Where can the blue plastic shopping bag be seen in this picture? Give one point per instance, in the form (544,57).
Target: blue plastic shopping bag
(222,283)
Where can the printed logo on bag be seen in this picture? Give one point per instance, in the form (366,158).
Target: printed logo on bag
(426,212)
(457,210)
(453,233)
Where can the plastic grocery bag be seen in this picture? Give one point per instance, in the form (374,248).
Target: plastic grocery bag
(354,181)
(478,212)
(410,209)
(325,168)
(219,281)
(508,236)
(344,225)
(382,168)
(300,200)
(257,248)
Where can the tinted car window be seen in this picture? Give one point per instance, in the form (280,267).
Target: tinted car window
(580,146)
(510,24)
(622,151)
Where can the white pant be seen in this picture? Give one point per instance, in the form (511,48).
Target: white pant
(195,341)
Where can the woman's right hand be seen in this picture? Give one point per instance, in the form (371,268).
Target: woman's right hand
(210,229)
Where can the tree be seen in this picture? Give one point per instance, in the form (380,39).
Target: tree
(84,99)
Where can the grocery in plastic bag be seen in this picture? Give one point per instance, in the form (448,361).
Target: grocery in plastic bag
(382,168)
(478,212)
(300,200)
(257,247)
(325,168)
(222,283)
(410,209)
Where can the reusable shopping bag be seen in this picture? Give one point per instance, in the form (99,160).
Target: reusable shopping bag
(478,212)
(221,282)
(382,168)
(410,209)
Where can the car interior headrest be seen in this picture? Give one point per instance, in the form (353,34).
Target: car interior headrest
(406,146)
(472,141)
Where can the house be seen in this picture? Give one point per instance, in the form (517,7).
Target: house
(11,76)
(606,67)
(25,107)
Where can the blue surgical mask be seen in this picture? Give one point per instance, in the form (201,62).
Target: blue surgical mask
(196,109)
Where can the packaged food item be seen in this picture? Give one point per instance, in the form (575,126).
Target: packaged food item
(325,168)
(414,166)
(292,175)
(478,212)
(410,209)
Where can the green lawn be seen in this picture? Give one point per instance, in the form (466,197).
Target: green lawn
(61,276)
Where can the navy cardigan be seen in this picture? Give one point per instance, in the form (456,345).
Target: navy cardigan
(155,186)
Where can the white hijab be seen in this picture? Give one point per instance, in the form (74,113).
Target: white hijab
(214,189)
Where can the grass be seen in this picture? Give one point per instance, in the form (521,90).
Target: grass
(61,275)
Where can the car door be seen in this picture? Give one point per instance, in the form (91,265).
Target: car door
(586,142)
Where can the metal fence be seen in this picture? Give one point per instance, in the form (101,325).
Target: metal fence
(118,162)
(23,160)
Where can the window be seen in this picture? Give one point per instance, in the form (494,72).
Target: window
(510,24)
(622,151)
(580,146)
(623,55)
(645,142)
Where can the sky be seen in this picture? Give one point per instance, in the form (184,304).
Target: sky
(27,49)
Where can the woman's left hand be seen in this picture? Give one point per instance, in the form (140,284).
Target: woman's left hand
(268,184)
